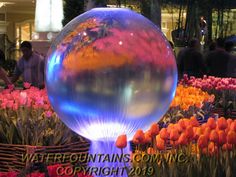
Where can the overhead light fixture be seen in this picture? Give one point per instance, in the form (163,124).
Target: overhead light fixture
(5,3)
(49,15)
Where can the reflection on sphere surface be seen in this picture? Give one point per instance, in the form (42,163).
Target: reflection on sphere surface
(110,71)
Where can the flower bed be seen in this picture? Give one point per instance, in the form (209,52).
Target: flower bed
(189,101)
(224,90)
(27,113)
(28,124)
(208,149)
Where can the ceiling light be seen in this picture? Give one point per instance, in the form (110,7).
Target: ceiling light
(5,3)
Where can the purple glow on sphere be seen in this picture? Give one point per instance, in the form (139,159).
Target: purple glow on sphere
(110,71)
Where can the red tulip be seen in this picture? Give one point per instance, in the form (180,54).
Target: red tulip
(174,135)
(229,121)
(222,137)
(179,128)
(150,150)
(214,137)
(204,126)
(202,142)
(222,123)
(189,132)
(160,143)
(211,123)
(164,134)
(182,124)
(121,141)
(227,147)
(170,127)
(233,126)
(154,130)
(212,149)
(231,137)
(197,132)
(194,122)
(207,132)
(148,137)
(183,140)
(139,137)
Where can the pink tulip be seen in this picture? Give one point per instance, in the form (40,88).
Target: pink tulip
(48,114)
(27,85)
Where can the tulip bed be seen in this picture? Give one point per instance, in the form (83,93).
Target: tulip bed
(26,113)
(224,90)
(188,101)
(187,149)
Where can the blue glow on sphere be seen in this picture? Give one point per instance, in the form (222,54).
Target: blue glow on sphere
(110,71)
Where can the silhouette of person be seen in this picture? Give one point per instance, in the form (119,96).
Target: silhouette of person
(217,60)
(190,60)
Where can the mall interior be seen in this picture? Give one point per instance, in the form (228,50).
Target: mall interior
(17,23)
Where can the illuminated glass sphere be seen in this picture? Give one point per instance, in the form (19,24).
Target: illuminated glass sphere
(110,71)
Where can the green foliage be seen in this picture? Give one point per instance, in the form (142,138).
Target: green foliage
(28,126)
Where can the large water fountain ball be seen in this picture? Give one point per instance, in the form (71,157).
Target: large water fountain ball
(110,71)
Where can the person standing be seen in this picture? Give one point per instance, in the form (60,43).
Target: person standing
(30,66)
(190,60)
(231,68)
(217,60)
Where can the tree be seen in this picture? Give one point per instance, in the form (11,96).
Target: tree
(152,10)
(72,8)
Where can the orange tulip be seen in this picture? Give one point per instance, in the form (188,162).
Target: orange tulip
(198,104)
(179,128)
(164,134)
(121,141)
(150,150)
(229,121)
(205,150)
(139,137)
(207,132)
(202,142)
(214,137)
(187,122)
(227,147)
(222,123)
(227,130)
(154,130)
(211,123)
(233,126)
(194,122)
(231,137)
(182,124)
(204,126)
(197,133)
(183,140)
(222,137)
(170,127)
(174,143)
(174,135)
(189,132)
(212,149)
(148,137)
(160,143)
(195,96)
